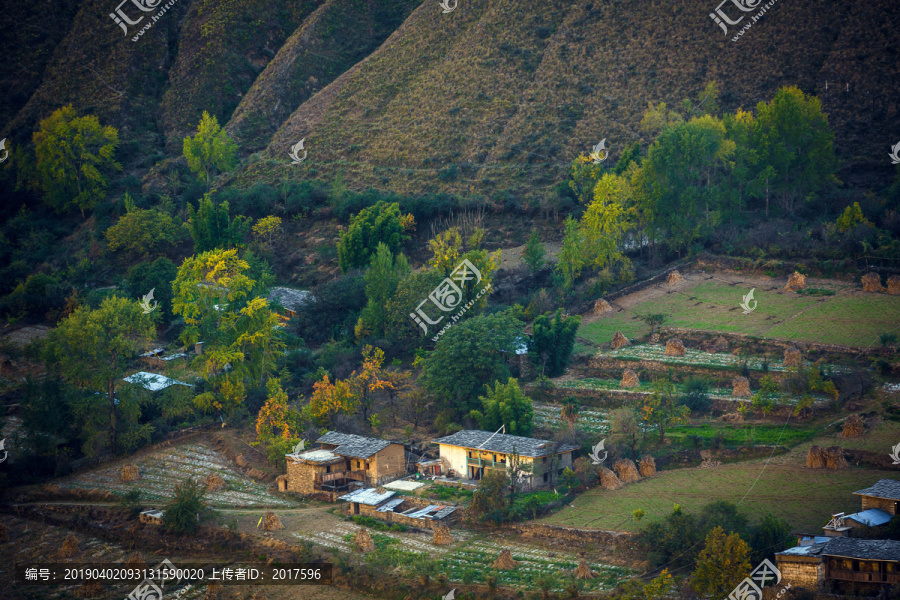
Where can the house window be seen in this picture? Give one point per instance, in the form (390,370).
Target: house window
(495,458)
(367,466)
(545,460)
(328,469)
(358,465)
(470,454)
(348,465)
(559,471)
(545,478)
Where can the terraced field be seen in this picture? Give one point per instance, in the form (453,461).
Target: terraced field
(546,416)
(848,317)
(161,470)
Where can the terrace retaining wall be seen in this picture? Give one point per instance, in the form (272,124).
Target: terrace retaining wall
(570,536)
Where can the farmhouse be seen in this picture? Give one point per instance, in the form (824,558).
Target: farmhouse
(342,460)
(152,516)
(386,506)
(872,563)
(470,452)
(884,495)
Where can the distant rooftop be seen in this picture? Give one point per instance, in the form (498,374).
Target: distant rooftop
(158,514)
(501,442)
(289,298)
(862,549)
(153,381)
(884,488)
(357,446)
(367,496)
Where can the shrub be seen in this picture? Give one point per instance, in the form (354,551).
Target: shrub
(182,513)
(696,395)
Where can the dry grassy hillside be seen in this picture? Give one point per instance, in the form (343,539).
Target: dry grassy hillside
(499,96)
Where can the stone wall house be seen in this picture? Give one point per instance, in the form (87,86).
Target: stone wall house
(386,506)
(840,560)
(308,471)
(470,453)
(884,495)
(380,460)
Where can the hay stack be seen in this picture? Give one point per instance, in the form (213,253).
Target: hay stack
(629,379)
(618,341)
(733,417)
(586,470)
(795,282)
(708,461)
(674,347)
(583,570)
(505,561)
(893,285)
(272,522)
(647,466)
(871,282)
(364,541)
(654,338)
(834,458)
(740,387)
(792,357)
(815,458)
(442,535)
(69,547)
(241,461)
(136,561)
(91,589)
(609,480)
(214,483)
(130,473)
(626,470)
(674,278)
(214,590)
(601,307)
(853,427)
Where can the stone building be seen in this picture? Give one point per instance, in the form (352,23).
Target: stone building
(343,461)
(151,516)
(287,301)
(387,506)
(842,563)
(470,452)
(884,495)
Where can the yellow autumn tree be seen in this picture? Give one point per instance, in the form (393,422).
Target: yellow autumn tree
(328,399)
(265,230)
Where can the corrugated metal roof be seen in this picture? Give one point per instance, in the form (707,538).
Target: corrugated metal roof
(872,517)
(443,512)
(501,442)
(367,496)
(391,504)
(320,456)
(158,514)
(812,550)
(862,549)
(356,446)
(884,488)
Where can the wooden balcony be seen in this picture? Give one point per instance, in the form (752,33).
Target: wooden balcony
(863,576)
(478,462)
(329,477)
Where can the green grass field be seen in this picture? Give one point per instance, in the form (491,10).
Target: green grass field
(846,318)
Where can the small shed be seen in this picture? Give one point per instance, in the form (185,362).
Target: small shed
(364,501)
(289,299)
(873,517)
(430,467)
(151,516)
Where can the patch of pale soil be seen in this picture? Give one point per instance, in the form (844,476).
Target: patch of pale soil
(25,335)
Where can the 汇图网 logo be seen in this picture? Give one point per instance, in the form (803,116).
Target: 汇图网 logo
(445,4)
(600,152)
(448,295)
(895,454)
(746,303)
(720,18)
(5,151)
(595,453)
(751,587)
(295,153)
(145,303)
(895,154)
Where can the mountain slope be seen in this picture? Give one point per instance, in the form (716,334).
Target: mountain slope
(497,97)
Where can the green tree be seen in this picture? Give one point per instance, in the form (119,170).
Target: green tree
(212,227)
(798,144)
(382,278)
(400,328)
(552,342)
(722,564)
(766,398)
(631,156)
(469,355)
(182,514)
(671,540)
(768,536)
(506,404)
(157,276)
(534,252)
(210,149)
(489,502)
(92,347)
(605,222)
(142,232)
(74,157)
(381,223)
(660,409)
(571,257)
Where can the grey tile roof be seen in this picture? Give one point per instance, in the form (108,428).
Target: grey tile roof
(862,549)
(356,446)
(289,298)
(501,442)
(884,488)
